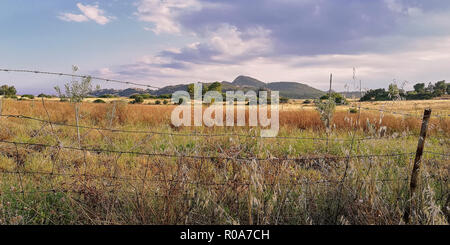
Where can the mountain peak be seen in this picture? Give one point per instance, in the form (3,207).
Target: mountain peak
(246,81)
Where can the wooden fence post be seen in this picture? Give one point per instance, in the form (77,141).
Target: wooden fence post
(417,161)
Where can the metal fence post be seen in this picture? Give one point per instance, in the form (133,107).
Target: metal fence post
(417,162)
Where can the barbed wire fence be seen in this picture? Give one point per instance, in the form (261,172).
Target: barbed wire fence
(305,162)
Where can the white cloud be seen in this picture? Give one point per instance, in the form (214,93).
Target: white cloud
(394,5)
(73,17)
(163,13)
(424,61)
(228,41)
(89,12)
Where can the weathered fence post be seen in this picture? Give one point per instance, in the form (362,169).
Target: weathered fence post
(417,161)
(329,116)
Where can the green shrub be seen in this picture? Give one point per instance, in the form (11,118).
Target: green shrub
(158,102)
(137,100)
(284,100)
(147,96)
(7,90)
(338,98)
(108,96)
(307,102)
(99,101)
(353,110)
(10,96)
(165,102)
(28,96)
(44,96)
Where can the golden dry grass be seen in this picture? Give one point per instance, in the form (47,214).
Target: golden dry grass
(95,187)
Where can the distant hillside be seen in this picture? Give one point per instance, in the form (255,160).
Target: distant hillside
(295,90)
(292,90)
(121,92)
(244,81)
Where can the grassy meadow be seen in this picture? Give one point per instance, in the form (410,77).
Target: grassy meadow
(146,171)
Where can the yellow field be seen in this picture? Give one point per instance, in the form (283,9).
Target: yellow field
(130,165)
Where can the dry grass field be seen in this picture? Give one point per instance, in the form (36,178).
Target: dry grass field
(132,166)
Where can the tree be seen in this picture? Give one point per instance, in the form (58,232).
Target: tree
(419,88)
(8,90)
(376,94)
(440,88)
(394,92)
(216,86)
(429,88)
(190,90)
(284,100)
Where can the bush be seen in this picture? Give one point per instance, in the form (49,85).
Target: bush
(158,102)
(134,96)
(147,96)
(138,100)
(165,102)
(28,96)
(353,110)
(64,99)
(108,96)
(307,102)
(10,96)
(44,96)
(338,98)
(284,100)
(99,101)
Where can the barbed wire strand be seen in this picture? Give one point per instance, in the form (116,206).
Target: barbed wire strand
(79,76)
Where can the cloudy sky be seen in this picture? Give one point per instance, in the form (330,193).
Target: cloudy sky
(164,42)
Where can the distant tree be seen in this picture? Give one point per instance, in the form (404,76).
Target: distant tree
(157,102)
(8,90)
(429,88)
(394,92)
(440,88)
(29,96)
(376,95)
(165,102)
(108,96)
(419,88)
(44,96)
(146,96)
(138,100)
(215,86)
(284,100)
(338,98)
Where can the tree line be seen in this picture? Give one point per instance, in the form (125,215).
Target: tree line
(420,92)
